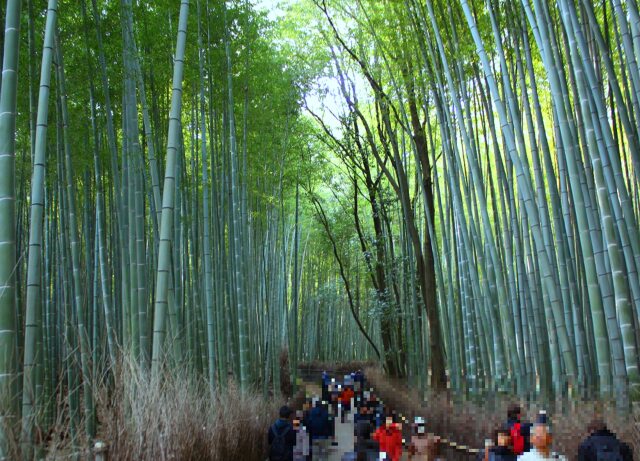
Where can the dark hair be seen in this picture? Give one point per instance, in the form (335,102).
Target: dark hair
(285,411)
(500,430)
(513,411)
(597,424)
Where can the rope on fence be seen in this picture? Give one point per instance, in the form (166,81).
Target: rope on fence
(458,446)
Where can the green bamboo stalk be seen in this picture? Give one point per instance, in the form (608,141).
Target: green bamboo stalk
(166,224)
(8,261)
(33,300)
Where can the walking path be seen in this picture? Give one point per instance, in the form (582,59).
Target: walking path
(344,432)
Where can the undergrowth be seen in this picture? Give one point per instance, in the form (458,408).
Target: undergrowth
(470,423)
(177,417)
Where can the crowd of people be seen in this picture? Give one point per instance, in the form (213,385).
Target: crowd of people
(378,434)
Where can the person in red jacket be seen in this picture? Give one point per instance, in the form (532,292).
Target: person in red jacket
(345,399)
(389,437)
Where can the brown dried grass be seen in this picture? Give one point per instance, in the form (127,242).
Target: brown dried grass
(177,418)
(470,423)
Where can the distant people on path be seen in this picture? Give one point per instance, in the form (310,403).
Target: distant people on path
(326,381)
(358,387)
(541,441)
(603,445)
(318,425)
(282,437)
(502,449)
(376,409)
(301,450)
(345,400)
(520,431)
(423,446)
(364,445)
(390,439)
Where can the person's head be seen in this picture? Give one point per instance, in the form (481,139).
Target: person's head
(541,437)
(364,410)
(597,424)
(502,437)
(296,424)
(514,412)
(388,421)
(285,412)
(420,426)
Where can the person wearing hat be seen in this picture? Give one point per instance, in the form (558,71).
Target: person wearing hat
(541,441)
(423,446)
(282,437)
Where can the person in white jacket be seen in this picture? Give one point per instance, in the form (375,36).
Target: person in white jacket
(301,448)
(541,440)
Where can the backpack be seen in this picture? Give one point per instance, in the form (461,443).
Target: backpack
(279,450)
(608,452)
(517,439)
(318,420)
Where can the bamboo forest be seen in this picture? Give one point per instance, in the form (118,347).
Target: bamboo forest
(205,204)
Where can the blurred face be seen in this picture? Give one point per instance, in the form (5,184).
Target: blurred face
(541,438)
(504,440)
(389,421)
(296,424)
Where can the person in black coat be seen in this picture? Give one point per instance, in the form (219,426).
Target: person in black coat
(282,429)
(514,416)
(602,440)
(501,451)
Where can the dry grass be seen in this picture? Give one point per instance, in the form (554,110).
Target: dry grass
(177,418)
(469,423)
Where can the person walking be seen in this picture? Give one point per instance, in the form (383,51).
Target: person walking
(389,437)
(541,441)
(345,400)
(326,381)
(603,445)
(423,446)
(502,450)
(320,431)
(282,437)
(363,430)
(301,448)
(519,431)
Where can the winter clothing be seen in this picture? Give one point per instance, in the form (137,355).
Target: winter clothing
(390,440)
(535,455)
(525,430)
(280,427)
(301,449)
(603,441)
(318,423)
(501,454)
(424,447)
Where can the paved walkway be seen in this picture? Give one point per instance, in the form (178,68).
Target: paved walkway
(344,432)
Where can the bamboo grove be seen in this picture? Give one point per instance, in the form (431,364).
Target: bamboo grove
(448,188)
(136,220)
(490,151)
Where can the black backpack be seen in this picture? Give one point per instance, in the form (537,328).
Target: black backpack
(608,451)
(279,450)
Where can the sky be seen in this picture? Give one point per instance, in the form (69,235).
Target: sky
(325,105)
